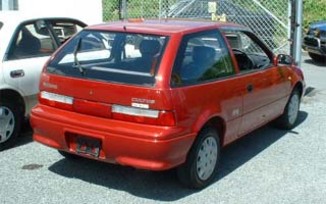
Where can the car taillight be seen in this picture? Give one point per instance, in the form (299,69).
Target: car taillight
(140,115)
(56,100)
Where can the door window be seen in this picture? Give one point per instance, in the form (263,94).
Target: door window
(201,57)
(32,40)
(64,29)
(41,38)
(249,54)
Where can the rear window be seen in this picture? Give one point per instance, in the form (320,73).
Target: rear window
(111,56)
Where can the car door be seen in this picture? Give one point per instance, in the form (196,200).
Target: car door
(30,47)
(266,86)
(205,84)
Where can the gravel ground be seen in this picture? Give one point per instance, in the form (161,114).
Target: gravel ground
(267,166)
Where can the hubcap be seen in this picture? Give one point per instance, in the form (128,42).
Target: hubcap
(7,123)
(293,108)
(207,158)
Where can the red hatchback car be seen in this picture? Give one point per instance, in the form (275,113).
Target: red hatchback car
(162,94)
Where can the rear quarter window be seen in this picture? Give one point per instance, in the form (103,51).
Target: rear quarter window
(111,56)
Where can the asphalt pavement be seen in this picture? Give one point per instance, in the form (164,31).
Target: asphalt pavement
(267,166)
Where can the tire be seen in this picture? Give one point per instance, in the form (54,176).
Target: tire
(10,124)
(290,115)
(202,161)
(68,155)
(317,58)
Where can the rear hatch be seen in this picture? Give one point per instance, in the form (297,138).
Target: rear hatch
(109,74)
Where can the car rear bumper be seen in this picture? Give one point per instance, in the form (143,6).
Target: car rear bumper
(137,145)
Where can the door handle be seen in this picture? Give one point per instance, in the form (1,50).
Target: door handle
(17,73)
(250,88)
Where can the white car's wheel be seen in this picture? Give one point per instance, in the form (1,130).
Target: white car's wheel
(10,124)
(200,168)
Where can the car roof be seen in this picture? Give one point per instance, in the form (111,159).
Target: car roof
(16,17)
(164,26)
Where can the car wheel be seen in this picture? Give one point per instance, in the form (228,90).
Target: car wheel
(201,164)
(317,58)
(68,155)
(290,115)
(10,124)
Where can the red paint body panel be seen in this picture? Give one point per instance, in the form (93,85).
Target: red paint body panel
(161,147)
(138,145)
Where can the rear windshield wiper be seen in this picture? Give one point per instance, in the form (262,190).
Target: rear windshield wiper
(76,61)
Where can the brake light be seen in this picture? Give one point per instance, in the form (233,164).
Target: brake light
(56,100)
(140,115)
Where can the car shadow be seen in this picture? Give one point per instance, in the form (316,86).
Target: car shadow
(164,186)
(26,135)
(319,64)
(238,153)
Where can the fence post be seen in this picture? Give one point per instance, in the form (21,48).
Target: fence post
(123,13)
(167,8)
(160,9)
(297,41)
(289,28)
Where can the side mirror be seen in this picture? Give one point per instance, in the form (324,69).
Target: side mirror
(284,59)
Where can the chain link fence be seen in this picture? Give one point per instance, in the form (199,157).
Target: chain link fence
(268,19)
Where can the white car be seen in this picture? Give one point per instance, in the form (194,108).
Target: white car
(26,44)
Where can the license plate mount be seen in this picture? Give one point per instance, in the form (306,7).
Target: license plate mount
(88,146)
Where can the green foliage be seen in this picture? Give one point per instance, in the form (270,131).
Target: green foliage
(314,10)
(110,10)
(136,8)
(143,8)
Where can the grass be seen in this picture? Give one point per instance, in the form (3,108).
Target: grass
(313,10)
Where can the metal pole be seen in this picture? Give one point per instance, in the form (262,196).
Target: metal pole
(120,9)
(167,8)
(298,32)
(290,27)
(5,5)
(160,9)
(124,9)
